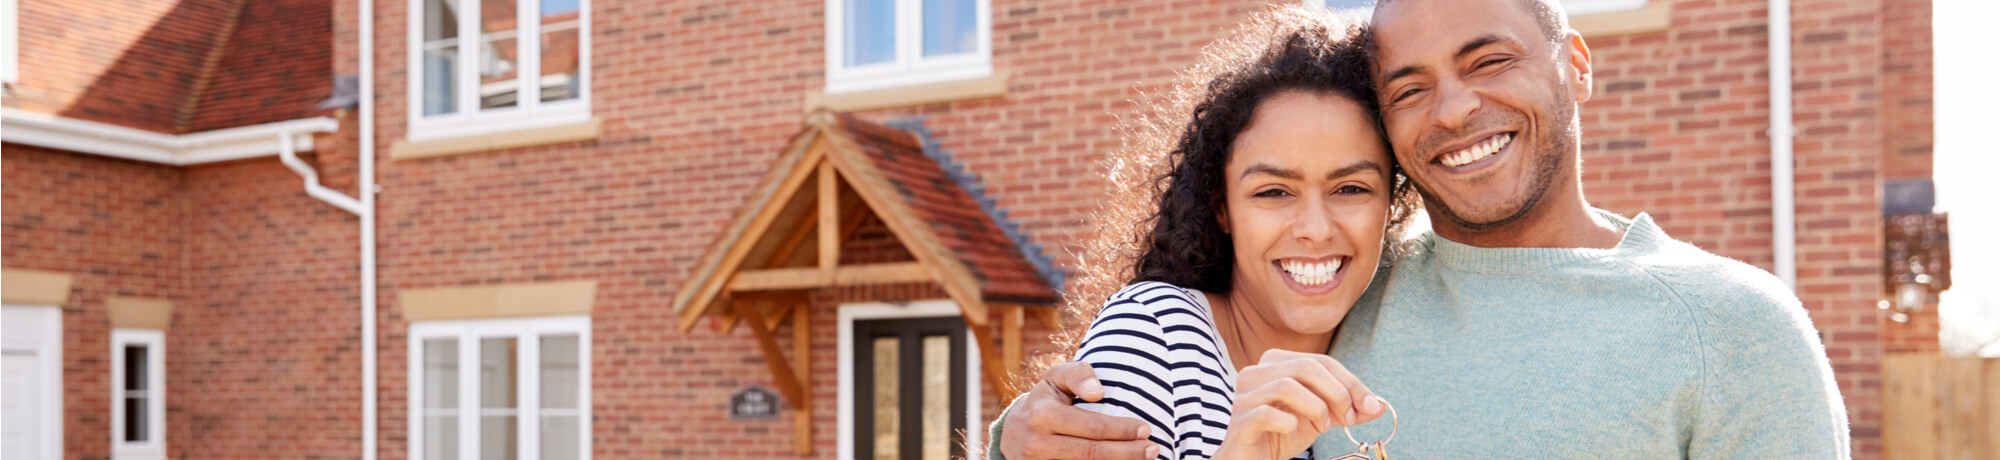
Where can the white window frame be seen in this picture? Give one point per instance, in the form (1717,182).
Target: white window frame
(37,329)
(527,112)
(155,445)
(525,331)
(10,41)
(849,313)
(1582,7)
(910,67)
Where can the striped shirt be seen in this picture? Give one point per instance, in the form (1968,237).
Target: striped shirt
(1155,348)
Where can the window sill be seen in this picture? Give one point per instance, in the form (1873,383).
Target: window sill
(1656,16)
(888,98)
(499,301)
(574,132)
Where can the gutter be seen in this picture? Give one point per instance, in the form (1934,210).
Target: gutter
(57,132)
(368,189)
(1784,238)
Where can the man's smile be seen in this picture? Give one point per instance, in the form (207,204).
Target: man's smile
(1483,152)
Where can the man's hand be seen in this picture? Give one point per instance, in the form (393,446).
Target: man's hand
(1287,399)
(1045,426)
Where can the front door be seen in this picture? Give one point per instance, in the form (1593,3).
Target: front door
(910,381)
(30,383)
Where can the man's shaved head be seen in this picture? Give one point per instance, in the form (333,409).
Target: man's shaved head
(1548,13)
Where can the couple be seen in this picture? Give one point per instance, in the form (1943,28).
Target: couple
(1526,324)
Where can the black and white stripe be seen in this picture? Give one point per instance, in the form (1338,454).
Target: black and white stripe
(1155,348)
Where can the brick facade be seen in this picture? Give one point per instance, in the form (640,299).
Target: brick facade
(696,99)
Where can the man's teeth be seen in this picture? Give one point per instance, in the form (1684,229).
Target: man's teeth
(1312,274)
(1478,152)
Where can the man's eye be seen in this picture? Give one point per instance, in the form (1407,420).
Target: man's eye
(1407,93)
(1489,62)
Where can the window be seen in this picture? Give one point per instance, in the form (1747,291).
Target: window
(876,44)
(909,382)
(10,41)
(483,66)
(502,389)
(1582,7)
(1341,3)
(138,394)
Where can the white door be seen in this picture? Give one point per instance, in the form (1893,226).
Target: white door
(31,383)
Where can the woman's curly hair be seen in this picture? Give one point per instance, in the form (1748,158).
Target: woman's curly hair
(1159,220)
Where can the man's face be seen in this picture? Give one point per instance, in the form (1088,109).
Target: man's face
(1479,105)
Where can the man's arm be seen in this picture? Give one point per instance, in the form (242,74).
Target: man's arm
(1767,389)
(1046,425)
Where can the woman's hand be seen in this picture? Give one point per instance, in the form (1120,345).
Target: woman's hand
(1287,399)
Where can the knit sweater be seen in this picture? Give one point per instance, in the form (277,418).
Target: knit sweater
(1650,349)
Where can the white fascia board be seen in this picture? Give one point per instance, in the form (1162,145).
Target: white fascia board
(40,129)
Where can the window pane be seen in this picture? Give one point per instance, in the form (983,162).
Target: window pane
(135,419)
(498,438)
(135,367)
(441,373)
(561,383)
(937,397)
(440,56)
(950,27)
(560,438)
(871,32)
(886,407)
(498,53)
(560,49)
(497,399)
(496,373)
(441,437)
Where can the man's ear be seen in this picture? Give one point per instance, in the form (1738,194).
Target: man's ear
(1578,58)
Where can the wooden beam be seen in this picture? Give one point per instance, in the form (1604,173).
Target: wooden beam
(781,369)
(915,234)
(779,279)
(1010,339)
(829,218)
(730,257)
(1047,314)
(989,364)
(802,361)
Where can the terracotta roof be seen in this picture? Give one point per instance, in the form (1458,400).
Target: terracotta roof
(964,227)
(213,64)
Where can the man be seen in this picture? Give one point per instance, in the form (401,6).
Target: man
(1529,324)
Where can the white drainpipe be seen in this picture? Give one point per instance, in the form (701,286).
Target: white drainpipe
(368,190)
(1784,240)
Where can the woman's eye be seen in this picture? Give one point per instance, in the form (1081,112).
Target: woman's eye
(1353,190)
(1272,193)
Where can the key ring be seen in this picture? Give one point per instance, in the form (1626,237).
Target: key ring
(1394,424)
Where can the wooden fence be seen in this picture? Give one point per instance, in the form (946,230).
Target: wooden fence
(1940,407)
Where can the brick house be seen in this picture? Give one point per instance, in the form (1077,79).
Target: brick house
(569,213)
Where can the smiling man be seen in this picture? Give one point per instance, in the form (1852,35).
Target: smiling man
(1528,323)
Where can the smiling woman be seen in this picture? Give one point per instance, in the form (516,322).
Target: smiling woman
(1266,224)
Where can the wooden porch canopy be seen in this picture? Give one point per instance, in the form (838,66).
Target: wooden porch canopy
(786,241)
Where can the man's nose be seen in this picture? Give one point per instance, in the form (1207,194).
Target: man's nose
(1456,103)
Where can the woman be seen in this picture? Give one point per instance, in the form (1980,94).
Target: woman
(1269,224)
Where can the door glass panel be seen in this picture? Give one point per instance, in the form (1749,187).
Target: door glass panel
(440,56)
(937,397)
(498,434)
(560,45)
(887,410)
(135,393)
(135,419)
(871,32)
(135,367)
(499,53)
(950,27)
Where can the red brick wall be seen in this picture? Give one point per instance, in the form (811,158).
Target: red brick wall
(118,228)
(265,349)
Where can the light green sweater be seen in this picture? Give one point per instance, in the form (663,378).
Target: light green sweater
(1652,349)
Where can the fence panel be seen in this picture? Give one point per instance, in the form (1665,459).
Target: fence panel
(1940,407)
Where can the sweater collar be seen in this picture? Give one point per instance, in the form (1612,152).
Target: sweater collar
(1640,234)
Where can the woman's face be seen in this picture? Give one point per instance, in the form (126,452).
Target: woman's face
(1308,201)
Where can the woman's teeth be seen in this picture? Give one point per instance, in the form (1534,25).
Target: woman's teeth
(1478,152)
(1311,274)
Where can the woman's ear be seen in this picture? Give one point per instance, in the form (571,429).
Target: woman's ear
(1222,217)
